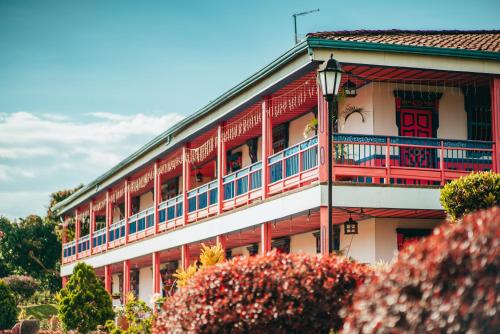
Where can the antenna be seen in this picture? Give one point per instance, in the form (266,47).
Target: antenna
(295,21)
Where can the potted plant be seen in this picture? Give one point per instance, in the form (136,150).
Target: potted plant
(311,127)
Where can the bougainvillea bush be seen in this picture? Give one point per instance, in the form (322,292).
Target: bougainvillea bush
(8,309)
(273,293)
(448,283)
(471,193)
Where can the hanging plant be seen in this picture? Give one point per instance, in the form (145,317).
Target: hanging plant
(311,127)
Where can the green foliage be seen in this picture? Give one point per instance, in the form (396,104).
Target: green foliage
(22,286)
(8,309)
(84,303)
(139,318)
(31,247)
(471,193)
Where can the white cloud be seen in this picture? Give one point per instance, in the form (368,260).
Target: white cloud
(60,152)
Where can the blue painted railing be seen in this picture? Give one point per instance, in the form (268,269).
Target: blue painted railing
(69,249)
(203,196)
(117,230)
(293,160)
(99,237)
(142,220)
(170,209)
(243,181)
(84,243)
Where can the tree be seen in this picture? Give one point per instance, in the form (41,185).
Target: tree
(8,309)
(84,304)
(57,197)
(32,247)
(474,192)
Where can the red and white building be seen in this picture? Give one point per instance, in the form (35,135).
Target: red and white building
(249,170)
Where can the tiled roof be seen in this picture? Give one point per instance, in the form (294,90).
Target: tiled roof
(477,40)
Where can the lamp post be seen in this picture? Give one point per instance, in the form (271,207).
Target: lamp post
(330,75)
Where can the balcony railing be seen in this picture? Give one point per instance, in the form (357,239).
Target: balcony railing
(170,212)
(202,201)
(357,158)
(99,238)
(242,186)
(141,221)
(407,160)
(293,166)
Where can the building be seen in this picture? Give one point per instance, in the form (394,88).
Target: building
(249,170)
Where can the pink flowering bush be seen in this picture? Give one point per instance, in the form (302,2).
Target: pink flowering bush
(448,283)
(274,293)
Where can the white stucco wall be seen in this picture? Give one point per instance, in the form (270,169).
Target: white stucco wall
(146,201)
(115,288)
(146,284)
(354,123)
(362,245)
(303,243)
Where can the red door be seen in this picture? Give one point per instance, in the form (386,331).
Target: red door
(416,123)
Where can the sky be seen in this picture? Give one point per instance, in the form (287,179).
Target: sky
(83,84)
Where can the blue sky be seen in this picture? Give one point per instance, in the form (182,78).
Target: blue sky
(85,83)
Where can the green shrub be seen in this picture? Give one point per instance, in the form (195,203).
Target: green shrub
(8,308)
(471,193)
(139,318)
(84,303)
(22,286)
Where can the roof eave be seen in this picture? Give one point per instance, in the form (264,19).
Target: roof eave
(424,50)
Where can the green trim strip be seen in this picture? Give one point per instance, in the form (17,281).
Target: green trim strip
(424,50)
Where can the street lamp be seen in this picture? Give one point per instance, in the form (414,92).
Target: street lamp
(330,75)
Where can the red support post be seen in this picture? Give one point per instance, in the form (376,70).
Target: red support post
(64,281)
(109,215)
(77,233)
(126,280)
(265,238)
(323,167)
(64,237)
(323,229)
(91,228)
(185,256)
(156,196)
(221,166)
(388,161)
(186,181)
(267,141)
(495,124)
(127,209)
(156,272)
(221,240)
(441,163)
(107,278)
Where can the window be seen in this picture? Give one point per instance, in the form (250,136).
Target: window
(478,107)
(280,137)
(406,236)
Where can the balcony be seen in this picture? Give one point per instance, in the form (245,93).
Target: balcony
(368,159)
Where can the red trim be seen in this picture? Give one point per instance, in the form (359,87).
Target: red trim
(265,238)
(126,280)
(267,141)
(323,230)
(107,278)
(156,272)
(91,229)
(185,182)
(185,256)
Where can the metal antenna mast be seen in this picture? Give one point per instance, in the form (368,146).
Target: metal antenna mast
(295,21)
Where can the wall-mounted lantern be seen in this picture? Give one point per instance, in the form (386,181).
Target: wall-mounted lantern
(351,226)
(349,88)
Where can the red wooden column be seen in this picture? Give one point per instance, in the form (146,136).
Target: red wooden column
(127,209)
(156,272)
(323,167)
(64,281)
(107,278)
(495,124)
(186,181)
(221,240)
(77,233)
(265,238)
(109,215)
(221,165)
(156,195)
(64,237)
(126,279)
(267,142)
(91,229)
(185,256)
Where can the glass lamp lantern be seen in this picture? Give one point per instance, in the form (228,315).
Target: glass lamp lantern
(330,75)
